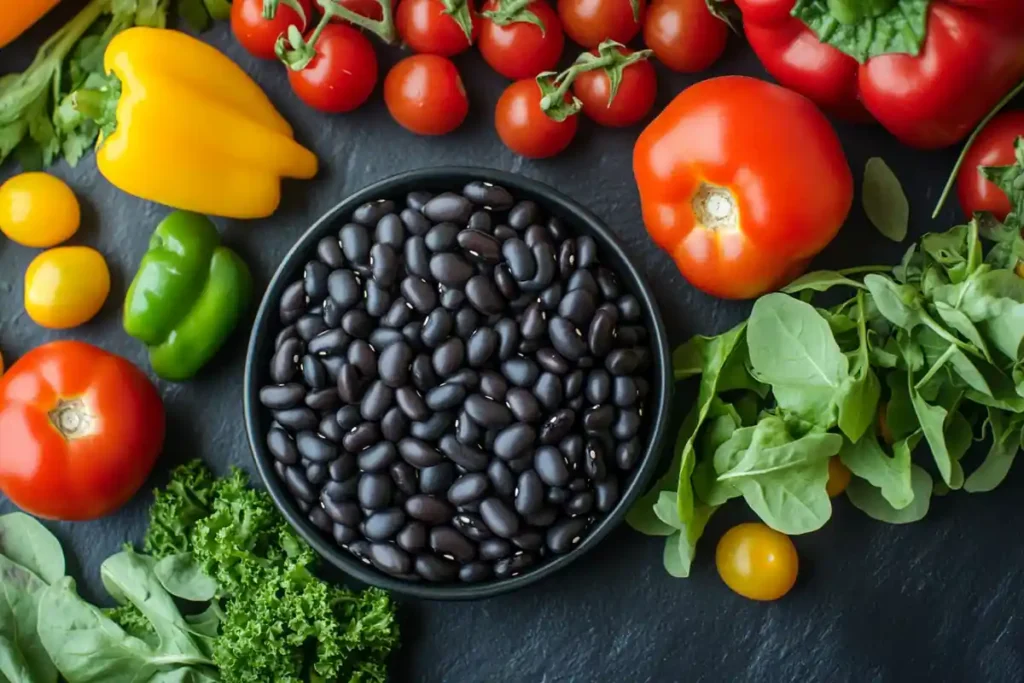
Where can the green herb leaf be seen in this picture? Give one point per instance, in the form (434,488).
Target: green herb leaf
(820,281)
(932,419)
(900,29)
(1006,433)
(900,304)
(884,201)
(681,547)
(25,541)
(870,501)
(195,14)
(890,475)
(182,577)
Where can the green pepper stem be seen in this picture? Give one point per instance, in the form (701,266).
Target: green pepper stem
(99,104)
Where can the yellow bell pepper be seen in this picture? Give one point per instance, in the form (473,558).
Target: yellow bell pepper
(189,128)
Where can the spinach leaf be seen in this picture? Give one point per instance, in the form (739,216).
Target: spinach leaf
(866,459)
(884,201)
(25,541)
(22,656)
(1006,431)
(182,577)
(870,501)
(681,546)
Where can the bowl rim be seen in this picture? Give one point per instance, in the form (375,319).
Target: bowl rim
(571,212)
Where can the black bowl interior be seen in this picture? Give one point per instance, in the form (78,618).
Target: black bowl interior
(267,325)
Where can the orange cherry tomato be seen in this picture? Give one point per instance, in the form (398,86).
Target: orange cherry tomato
(80,430)
(992,147)
(838,477)
(684,35)
(756,561)
(742,182)
(425,94)
(524,127)
(591,22)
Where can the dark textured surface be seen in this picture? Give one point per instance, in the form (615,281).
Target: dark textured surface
(938,600)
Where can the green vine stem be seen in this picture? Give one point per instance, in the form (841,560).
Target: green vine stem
(970,141)
(297,52)
(610,57)
(462,14)
(512,12)
(270,10)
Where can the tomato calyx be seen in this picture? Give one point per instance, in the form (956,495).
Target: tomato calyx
(461,14)
(514,12)
(71,418)
(715,208)
(611,57)
(296,52)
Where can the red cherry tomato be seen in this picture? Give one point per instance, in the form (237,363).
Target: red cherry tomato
(684,34)
(425,26)
(521,49)
(370,9)
(425,95)
(632,102)
(342,74)
(80,430)
(525,128)
(258,35)
(992,147)
(591,22)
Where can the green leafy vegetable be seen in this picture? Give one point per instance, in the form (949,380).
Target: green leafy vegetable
(884,201)
(24,541)
(868,500)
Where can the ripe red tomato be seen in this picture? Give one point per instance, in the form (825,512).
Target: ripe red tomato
(342,74)
(591,22)
(520,49)
(684,34)
(80,430)
(992,147)
(632,102)
(426,26)
(370,9)
(425,95)
(258,35)
(524,127)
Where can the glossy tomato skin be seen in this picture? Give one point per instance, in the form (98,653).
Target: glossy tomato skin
(425,27)
(521,49)
(992,147)
(425,94)
(524,127)
(684,35)
(370,9)
(112,430)
(633,101)
(742,182)
(757,562)
(258,35)
(590,22)
(343,73)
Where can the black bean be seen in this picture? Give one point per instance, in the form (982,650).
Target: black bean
(523,405)
(374,491)
(418,453)
(377,457)
(486,412)
(314,447)
(284,335)
(578,307)
(428,509)
(358,324)
(531,539)
(483,295)
(453,299)
(471,526)
(416,222)
(404,476)
(626,424)
(481,345)
(586,252)
(435,480)
(508,337)
(398,315)
(480,246)
(297,419)
(316,473)
(557,495)
(360,550)
(447,358)
(523,214)
(420,294)
(514,440)
(448,206)
(493,385)
(583,279)
(332,313)
(417,258)
(348,417)
(566,338)
(309,326)
(566,258)
(515,565)
(529,493)
(522,463)
(412,537)
(551,466)
(487,194)
(474,572)
(505,283)
(606,494)
(449,543)
(323,400)
(369,213)
(362,357)
(499,517)
(467,377)
(630,335)
(544,518)
(280,396)
(593,461)
(601,332)
(314,278)
(393,365)
(535,234)
(521,372)
(433,427)
(548,390)
(551,361)
(534,322)
(320,520)
(361,436)
(574,384)
(330,428)
(383,337)
(330,342)
(529,346)
(341,471)
(544,256)
(313,372)
(284,363)
(390,232)
(463,455)
(436,569)
(580,504)
(282,447)
(450,269)
(467,488)
(622,361)
(442,237)
(333,365)
(503,232)
(411,403)
(519,258)
(296,481)
(384,262)
(495,549)
(343,535)
(556,427)
(597,390)
(550,297)
(350,384)
(391,559)
(437,327)
(346,513)
(480,220)
(627,453)
(467,431)
(598,419)
(501,478)
(376,401)
(344,288)
(411,331)
(565,534)
(629,307)
(293,302)
(607,283)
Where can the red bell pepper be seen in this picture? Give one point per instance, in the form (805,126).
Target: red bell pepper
(927,70)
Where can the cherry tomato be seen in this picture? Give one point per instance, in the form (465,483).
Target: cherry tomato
(520,49)
(590,22)
(684,34)
(258,35)
(370,9)
(66,286)
(426,26)
(525,128)
(838,477)
(756,561)
(38,210)
(80,429)
(343,73)
(425,95)
(992,147)
(632,102)
(883,424)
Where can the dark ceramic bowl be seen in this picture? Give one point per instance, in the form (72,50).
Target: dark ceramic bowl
(267,325)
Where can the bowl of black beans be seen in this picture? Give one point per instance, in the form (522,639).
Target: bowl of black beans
(456,383)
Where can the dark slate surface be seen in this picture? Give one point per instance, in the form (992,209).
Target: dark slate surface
(934,601)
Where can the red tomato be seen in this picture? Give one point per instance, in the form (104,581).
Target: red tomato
(520,49)
(258,35)
(591,22)
(992,147)
(343,73)
(80,430)
(425,95)
(684,34)
(525,128)
(425,26)
(370,9)
(632,102)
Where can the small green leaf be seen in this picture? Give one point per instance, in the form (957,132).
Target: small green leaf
(1006,431)
(183,578)
(26,542)
(870,501)
(820,281)
(884,201)
(681,547)
(890,475)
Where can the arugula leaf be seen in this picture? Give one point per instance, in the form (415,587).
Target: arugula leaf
(870,501)
(858,398)
(891,475)
(681,546)
(900,304)
(932,419)
(1006,432)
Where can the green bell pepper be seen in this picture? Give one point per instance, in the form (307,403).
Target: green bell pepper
(188,295)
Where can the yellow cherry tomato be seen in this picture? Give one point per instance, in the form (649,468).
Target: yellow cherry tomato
(756,561)
(838,477)
(38,210)
(66,286)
